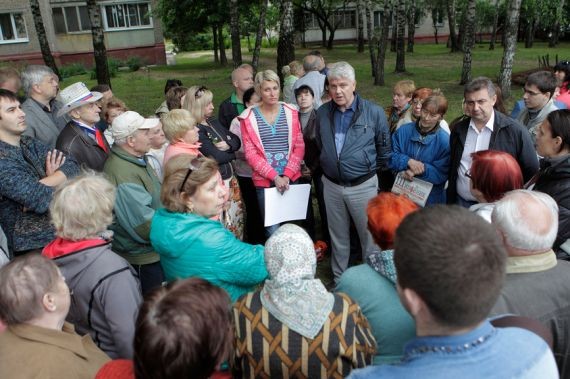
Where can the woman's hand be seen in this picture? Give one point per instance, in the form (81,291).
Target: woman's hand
(54,160)
(222,145)
(282,183)
(416,167)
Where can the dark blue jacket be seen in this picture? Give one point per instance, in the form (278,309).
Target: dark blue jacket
(366,147)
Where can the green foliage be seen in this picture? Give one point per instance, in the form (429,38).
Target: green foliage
(135,62)
(72,70)
(113,64)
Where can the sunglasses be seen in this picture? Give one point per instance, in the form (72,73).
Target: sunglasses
(200,92)
(195,164)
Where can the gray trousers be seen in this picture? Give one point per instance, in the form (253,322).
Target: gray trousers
(343,203)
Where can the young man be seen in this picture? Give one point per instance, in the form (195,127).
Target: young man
(29,171)
(448,282)
(538,100)
(242,80)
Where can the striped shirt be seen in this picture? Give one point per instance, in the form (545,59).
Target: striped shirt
(275,139)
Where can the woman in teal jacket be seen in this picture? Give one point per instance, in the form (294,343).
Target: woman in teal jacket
(190,241)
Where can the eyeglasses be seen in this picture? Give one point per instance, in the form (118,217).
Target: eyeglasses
(200,92)
(427,113)
(195,164)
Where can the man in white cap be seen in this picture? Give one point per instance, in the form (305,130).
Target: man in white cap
(138,195)
(81,138)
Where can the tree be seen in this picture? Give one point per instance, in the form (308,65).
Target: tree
(325,11)
(512,25)
(99,49)
(495,24)
(401,26)
(370,36)
(286,44)
(42,37)
(450,5)
(360,10)
(555,33)
(411,25)
(259,34)
(382,44)
(468,42)
(234,30)
(222,44)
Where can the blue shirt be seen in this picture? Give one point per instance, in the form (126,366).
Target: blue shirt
(342,122)
(484,352)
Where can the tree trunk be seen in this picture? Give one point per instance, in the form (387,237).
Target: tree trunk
(360,10)
(332,31)
(259,36)
(451,23)
(394,29)
(215,33)
(411,26)
(323,28)
(495,22)
(529,32)
(286,44)
(221,45)
(99,49)
(42,37)
(468,44)
(370,35)
(512,24)
(383,45)
(555,33)
(234,28)
(401,26)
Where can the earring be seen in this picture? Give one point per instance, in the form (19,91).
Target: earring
(191,208)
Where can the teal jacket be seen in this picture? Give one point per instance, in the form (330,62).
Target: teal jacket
(138,195)
(190,245)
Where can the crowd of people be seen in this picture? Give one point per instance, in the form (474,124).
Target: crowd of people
(135,246)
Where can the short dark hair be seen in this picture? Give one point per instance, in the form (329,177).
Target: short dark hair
(545,81)
(8,95)
(559,121)
(100,88)
(174,97)
(563,66)
(478,84)
(304,88)
(247,95)
(183,330)
(454,260)
(170,83)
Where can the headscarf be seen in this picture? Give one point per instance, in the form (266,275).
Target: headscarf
(292,294)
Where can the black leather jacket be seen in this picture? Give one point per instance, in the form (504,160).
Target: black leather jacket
(73,141)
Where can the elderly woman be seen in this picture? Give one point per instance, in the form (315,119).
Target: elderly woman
(400,112)
(421,149)
(158,146)
(373,284)
(418,98)
(105,289)
(218,143)
(295,308)
(189,242)
(273,140)
(553,144)
(111,108)
(38,343)
(291,72)
(493,174)
(182,134)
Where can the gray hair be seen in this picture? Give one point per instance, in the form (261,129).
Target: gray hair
(341,70)
(33,74)
(511,217)
(311,63)
(478,84)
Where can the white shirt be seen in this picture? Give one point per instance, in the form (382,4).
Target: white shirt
(475,141)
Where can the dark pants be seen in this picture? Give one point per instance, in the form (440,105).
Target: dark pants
(150,275)
(254,230)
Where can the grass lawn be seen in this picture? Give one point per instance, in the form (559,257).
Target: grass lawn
(429,66)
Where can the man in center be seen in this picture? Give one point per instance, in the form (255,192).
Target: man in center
(354,142)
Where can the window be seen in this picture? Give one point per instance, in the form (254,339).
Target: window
(378,19)
(345,19)
(130,15)
(72,19)
(12,28)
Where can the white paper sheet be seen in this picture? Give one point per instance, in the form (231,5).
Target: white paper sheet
(292,205)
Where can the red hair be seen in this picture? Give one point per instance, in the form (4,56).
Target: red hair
(495,173)
(385,213)
(421,93)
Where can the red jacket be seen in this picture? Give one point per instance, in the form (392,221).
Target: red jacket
(263,174)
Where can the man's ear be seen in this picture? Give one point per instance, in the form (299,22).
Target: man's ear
(48,302)
(411,301)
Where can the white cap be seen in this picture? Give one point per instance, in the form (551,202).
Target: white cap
(129,122)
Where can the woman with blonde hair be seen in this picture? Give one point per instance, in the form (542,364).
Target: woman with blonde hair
(105,289)
(179,127)
(273,140)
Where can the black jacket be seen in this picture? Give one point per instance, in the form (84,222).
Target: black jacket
(312,151)
(508,136)
(554,180)
(73,141)
(227,113)
(206,136)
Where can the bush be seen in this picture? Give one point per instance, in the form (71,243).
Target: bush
(113,64)
(72,70)
(135,62)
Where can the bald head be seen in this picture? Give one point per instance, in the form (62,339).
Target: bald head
(312,63)
(528,220)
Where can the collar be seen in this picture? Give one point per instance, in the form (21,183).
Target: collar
(45,107)
(353,106)
(84,125)
(531,263)
(489,125)
(65,339)
(60,247)
(234,99)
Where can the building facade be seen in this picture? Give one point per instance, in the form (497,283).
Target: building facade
(129,28)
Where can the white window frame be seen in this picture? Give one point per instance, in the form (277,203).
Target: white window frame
(15,30)
(124,4)
(76,6)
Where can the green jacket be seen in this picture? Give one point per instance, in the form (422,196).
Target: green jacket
(138,195)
